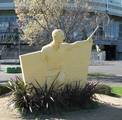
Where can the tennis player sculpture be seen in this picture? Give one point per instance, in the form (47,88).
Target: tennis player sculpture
(68,62)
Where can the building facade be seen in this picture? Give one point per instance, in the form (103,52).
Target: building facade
(110,37)
(9,37)
(8,20)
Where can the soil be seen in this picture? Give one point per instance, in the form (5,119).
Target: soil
(109,109)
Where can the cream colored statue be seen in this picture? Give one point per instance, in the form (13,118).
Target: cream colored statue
(69,60)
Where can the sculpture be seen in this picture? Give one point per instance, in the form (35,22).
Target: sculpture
(70,60)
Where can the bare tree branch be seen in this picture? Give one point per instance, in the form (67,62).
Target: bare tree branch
(51,14)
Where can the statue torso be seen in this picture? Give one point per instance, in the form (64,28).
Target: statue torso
(54,57)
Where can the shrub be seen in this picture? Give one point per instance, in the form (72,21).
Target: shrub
(18,69)
(106,90)
(51,99)
(103,89)
(4,89)
(8,70)
(13,70)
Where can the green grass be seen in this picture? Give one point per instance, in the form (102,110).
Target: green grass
(117,90)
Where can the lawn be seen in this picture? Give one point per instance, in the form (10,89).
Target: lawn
(117,90)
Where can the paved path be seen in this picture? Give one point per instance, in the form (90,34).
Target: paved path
(5,112)
(5,77)
(114,68)
(106,111)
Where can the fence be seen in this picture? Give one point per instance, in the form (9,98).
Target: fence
(98,58)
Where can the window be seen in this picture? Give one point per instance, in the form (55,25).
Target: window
(120,30)
(4,26)
(71,1)
(112,30)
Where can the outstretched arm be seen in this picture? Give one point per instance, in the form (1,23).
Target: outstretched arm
(78,43)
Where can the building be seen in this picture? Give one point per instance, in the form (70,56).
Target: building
(110,37)
(10,43)
(8,26)
(8,19)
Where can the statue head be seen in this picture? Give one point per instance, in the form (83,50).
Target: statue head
(58,36)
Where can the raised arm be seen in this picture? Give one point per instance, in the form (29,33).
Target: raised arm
(78,43)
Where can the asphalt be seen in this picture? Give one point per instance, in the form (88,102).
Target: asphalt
(5,76)
(108,67)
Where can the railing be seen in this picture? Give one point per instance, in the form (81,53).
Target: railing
(8,37)
(105,42)
(8,18)
(104,6)
(7,6)
(5,1)
(113,8)
(109,7)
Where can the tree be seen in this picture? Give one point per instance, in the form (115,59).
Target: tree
(38,18)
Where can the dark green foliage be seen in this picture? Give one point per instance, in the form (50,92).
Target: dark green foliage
(4,89)
(106,90)
(103,89)
(18,69)
(8,70)
(76,96)
(50,99)
(20,93)
(13,70)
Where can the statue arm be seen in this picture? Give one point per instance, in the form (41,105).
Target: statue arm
(79,43)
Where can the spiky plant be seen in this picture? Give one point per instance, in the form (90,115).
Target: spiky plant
(47,99)
(21,94)
(76,96)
